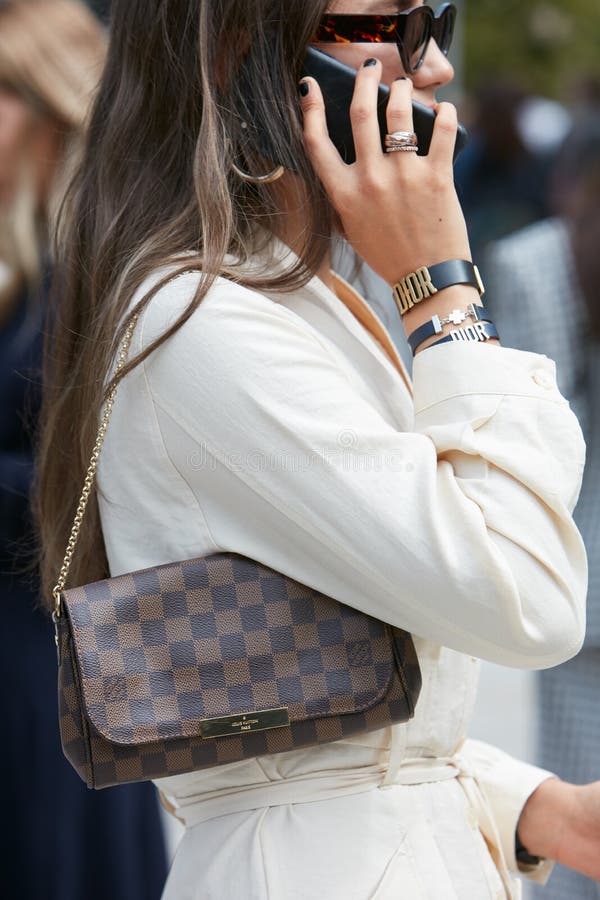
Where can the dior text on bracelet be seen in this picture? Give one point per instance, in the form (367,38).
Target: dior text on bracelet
(436,324)
(428,280)
(478,331)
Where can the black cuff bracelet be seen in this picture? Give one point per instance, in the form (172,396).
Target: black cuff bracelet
(428,280)
(436,324)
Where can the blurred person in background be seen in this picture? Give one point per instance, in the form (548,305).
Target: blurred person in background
(585,100)
(501,181)
(62,842)
(101,8)
(560,257)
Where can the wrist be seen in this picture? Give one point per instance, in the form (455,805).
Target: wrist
(458,296)
(545,818)
(433,300)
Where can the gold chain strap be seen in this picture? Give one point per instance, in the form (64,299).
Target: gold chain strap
(91,472)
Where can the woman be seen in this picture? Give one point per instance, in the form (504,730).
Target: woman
(60,841)
(259,415)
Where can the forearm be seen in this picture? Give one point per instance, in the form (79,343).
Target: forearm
(543,818)
(459,296)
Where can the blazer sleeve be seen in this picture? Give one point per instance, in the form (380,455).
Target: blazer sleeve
(507,783)
(459,530)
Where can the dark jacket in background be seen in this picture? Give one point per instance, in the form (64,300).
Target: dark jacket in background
(61,841)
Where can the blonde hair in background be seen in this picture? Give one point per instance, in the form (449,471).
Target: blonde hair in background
(51,54)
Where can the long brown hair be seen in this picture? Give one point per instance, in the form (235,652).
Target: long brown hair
(156,183)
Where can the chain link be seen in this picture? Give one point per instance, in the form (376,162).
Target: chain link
(91,472)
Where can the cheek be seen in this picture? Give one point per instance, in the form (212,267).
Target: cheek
(392,68)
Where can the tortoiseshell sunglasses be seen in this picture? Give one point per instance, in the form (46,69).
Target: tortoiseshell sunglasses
(411,31)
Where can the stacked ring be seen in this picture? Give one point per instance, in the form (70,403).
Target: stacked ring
(406,141)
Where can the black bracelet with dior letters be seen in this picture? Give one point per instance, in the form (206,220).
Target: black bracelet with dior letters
(478,331)
(428,280)
(436,324)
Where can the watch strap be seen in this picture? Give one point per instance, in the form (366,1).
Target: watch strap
(436,324)
(428,280)
(523,856)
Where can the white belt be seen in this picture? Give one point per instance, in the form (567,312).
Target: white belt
(401,770)
(196,808)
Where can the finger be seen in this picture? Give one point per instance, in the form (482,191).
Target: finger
(363,112)
(399,108)
(321,150)
(443,141)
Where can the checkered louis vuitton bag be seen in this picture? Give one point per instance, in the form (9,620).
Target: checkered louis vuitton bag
(213,660)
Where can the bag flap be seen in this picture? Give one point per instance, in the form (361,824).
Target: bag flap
(161,650)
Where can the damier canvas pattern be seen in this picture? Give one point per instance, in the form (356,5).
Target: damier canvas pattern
(145,657)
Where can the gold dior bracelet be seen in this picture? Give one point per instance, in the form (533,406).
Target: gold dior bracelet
(428,280)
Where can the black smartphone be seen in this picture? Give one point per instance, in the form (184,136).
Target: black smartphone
(336,81)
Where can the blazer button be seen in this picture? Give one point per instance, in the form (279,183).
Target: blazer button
(543,378)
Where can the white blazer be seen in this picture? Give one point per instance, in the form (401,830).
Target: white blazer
(277,426)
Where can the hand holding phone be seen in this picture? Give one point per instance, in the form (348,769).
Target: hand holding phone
(336,82)
(399,211)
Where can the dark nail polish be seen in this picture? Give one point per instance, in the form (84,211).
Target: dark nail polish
(304,88)
(370,62)
(401,78)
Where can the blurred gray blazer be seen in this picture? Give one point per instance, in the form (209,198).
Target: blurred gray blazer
(534,298)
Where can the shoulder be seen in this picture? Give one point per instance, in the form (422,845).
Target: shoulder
(242,363)
(229,312)
(237,342)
